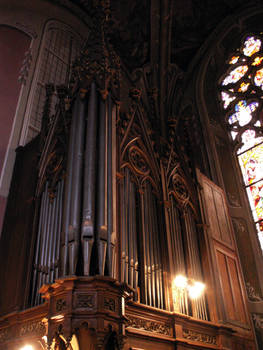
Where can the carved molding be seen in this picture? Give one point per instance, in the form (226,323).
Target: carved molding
(109,304)
(85,301)
(149,326)
(33,328)
(199,337)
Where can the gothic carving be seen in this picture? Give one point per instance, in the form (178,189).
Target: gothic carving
(34,328)
(85,301)
(61,305)
(109,304)
(258,320)
(251,293)
(149,326)
(138,161)
(53,141)
(5,334)
(199,337)
(98,61)
(25,67)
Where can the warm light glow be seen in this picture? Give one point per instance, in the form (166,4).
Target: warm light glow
(196,289)
(44,338)
(57,317)
(180,281)
(27,347)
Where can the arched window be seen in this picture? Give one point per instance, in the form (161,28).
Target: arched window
(60,45)
(241,91)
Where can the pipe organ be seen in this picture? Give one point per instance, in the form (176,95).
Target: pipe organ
(122,232)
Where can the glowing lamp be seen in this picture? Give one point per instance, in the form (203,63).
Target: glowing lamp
(27,347)
(180,282)
(196,289)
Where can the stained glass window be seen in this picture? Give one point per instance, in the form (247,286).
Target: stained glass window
(241,97)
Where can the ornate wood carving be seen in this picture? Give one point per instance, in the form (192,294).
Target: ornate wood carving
(149,326)
(36,328)
(98,61)
(199,337)
(61,305)
(109,304)
(5,335)
(85,301)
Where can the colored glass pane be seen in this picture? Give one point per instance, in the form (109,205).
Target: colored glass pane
(243,113)
(258,79)
(251,46)
(255,196)
(249,140)
(235,75)
(233,59)
(243,87)
(234,134)
(227,99)
(251,163)
(257,61)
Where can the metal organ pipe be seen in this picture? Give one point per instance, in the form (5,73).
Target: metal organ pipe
(102,189)
(77,163)
(67,197)
(89,192)
(110,234)
(198,305)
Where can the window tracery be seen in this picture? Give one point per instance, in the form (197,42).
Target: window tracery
(60,46)
(241,94)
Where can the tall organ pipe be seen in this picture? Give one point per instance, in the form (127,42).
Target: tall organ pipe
(38,251)
(87,231)
(111,240)
(67,198)
(77,163)
(102,189)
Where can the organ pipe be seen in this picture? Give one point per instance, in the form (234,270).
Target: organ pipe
(89,186)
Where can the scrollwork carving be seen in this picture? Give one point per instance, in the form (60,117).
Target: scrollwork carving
(199,337)
(251,293)
(149,326)
(85,301)
(258,320)
(5,335)
(33,328)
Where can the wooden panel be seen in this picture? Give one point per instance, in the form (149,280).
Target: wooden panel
(231,286)
(225,263)
(217,212)
(236,287)
(211,212)
(222,217)
(226,286)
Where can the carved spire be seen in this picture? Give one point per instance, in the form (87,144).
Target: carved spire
(98,62)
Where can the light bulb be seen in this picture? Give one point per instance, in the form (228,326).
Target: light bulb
(180,281)
(196,289)
(27,347)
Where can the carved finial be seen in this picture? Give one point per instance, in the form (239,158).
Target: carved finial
(98,62)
